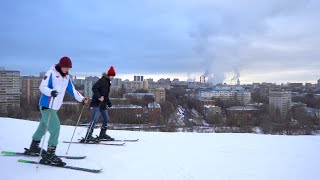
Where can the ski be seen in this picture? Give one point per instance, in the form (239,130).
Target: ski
(98,143)
(97,139)
(11,153)
(120,140)
(65,167)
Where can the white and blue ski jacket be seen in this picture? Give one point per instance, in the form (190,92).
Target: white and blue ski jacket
(54,81)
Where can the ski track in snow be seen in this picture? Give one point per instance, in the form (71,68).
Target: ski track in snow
(166,156)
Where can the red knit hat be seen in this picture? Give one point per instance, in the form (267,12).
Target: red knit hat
(111,71)
(65,62)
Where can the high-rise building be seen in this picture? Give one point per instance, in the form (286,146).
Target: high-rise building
(79,82)
(88,84)
(138,95)
(202,79)
(319,83)
(295,86)
(116,85)
(159,94)
(150,80)
(145,85)
(116,82)
(30,91)
(132,86)
(280,100)
(158,85)
(72,78)
(9,91)
(176,80)
(163,81)
(138,78)
(241,96)
(238,82)
(42,74)
(309,86)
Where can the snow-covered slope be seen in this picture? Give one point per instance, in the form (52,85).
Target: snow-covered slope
(170,156)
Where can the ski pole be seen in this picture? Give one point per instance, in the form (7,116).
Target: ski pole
(45,132)
(91,124)
(75,128)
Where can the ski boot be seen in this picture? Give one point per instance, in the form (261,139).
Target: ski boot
(34,149)
(104,136)
(50,157)
(89,137)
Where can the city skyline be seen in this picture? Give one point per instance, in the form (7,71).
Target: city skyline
(182,77)
(277,41)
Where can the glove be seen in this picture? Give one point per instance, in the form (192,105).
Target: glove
(109,105)
(85,100)
(54,93)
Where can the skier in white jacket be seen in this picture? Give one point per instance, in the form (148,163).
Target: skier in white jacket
(53,87)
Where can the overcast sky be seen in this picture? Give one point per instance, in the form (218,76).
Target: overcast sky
(265,40)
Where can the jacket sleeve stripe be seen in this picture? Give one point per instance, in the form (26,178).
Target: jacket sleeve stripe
(73,92)
(70,88)
(50,82)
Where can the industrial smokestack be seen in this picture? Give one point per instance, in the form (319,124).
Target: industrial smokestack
(202,79)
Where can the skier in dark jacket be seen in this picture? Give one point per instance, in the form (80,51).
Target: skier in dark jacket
(99,103)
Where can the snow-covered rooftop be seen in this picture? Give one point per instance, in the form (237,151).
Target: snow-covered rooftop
(206,90)
(242,108)
(139,94)
(125,106)
(210,106)
(154,105)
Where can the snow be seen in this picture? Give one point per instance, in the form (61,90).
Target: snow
(178,119)
(195,112)
(166,156)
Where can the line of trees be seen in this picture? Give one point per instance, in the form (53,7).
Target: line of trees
(298,121)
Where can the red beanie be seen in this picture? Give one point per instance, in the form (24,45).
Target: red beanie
(111,71)
(65,62)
